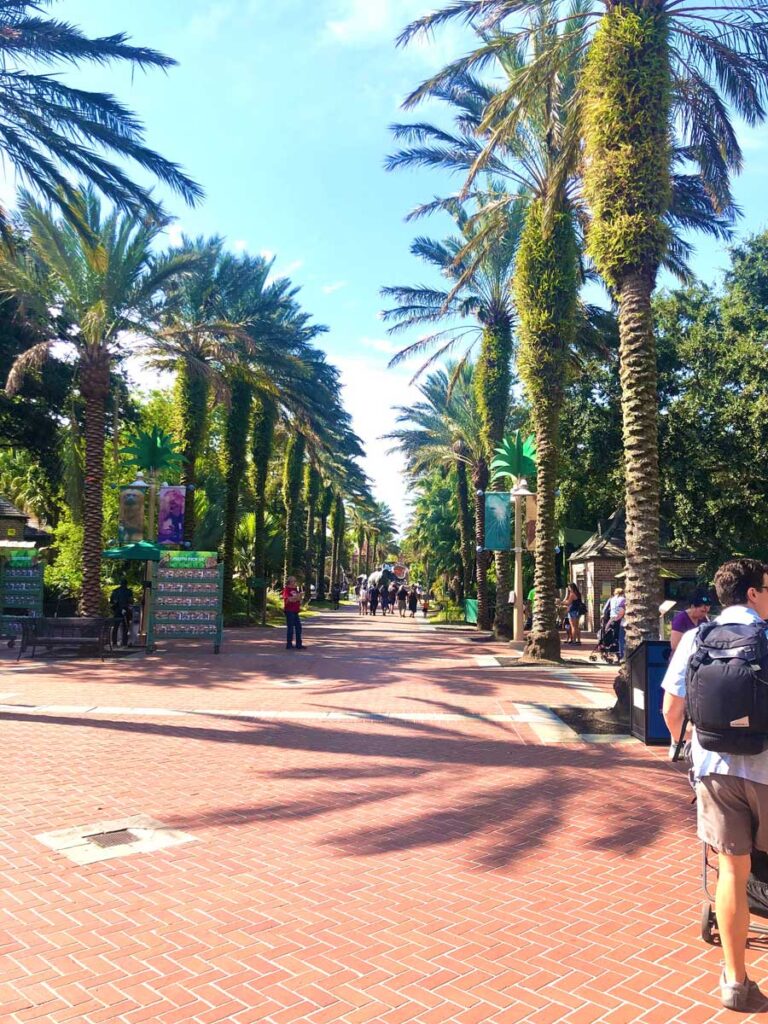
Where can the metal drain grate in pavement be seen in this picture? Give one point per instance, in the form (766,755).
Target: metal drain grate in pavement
(117,837)
(120,837)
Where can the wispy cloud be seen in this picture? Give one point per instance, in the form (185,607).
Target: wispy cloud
(329,289)
(288,269)
(372,22)
(240,245)
(380,345)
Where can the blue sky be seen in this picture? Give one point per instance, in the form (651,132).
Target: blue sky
(280,109)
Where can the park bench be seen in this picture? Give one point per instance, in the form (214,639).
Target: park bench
(80,632)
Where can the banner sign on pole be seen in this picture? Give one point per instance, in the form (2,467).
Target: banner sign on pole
(170,519)
(130,527)
(497,521)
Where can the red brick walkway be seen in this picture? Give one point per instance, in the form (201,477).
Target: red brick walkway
(444,865)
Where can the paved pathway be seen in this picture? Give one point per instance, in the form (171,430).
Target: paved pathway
(382,828)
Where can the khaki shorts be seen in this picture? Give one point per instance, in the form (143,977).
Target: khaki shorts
(732,814)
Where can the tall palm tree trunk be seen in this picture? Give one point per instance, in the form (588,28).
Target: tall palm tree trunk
(639,403)
(546,293)
(262,442)
(628,93)
(94,387)
(235,447)
(465,525)
(192,408)
(312,492)
(294,469)
(367,552)
(480,482)
(326,504)
(492,382)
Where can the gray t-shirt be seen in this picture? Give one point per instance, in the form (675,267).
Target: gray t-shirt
(708,762)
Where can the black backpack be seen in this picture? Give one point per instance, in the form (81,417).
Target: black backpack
(726,687)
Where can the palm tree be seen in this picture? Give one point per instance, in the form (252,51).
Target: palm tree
(198,343)
(312,482)
(481,292)
(325,508)
(444,430)
(53,133)
(293,474)
(262,443)
(658,84)
(101,270)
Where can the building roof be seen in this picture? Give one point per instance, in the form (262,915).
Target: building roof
(9,511)
(611,541)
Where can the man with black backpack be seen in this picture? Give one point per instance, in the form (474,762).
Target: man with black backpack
(718,680)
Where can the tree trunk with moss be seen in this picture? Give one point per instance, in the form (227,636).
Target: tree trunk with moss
(235,447)
(293,473)
(492,382)
(191,400)
(465,519)
(326,505)
(480,483)
(338,539)
(627,182)
(311,495)
(546,293)
(262,442)
(94,387)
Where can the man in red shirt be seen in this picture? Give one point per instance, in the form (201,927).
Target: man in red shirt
(292,607)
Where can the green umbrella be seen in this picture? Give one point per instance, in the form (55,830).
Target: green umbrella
(142,551)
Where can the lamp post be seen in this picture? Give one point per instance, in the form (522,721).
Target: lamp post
(518,492)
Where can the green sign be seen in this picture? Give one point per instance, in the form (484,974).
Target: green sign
(498,524)
(188,559)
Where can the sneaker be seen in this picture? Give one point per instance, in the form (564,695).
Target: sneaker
(737,995)
(289,647)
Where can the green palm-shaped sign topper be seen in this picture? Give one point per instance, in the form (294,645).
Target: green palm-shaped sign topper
(155,452)
(515,458)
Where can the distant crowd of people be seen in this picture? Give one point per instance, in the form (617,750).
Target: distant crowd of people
(391,596)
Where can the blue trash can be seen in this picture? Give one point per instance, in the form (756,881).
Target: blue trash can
(646,668)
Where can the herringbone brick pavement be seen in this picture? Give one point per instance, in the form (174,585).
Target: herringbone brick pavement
(448,867)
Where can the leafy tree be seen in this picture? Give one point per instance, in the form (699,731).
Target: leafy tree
(53,132)
(480,293)
(262,443)
(292,478)
(312,482)
(102,271)
(444,430)
(325,508)
(649,70)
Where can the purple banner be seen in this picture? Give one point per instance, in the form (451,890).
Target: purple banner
(170,519)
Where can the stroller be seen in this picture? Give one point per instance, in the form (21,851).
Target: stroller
(757,895)
(607,646)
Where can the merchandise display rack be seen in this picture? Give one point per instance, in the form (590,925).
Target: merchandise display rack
(186,599)
(21,591)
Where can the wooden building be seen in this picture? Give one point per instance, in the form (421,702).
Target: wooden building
(597,567)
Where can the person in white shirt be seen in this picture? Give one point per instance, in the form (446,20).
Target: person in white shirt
(731,789)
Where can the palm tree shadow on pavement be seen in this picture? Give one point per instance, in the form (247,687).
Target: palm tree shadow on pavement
(543,791)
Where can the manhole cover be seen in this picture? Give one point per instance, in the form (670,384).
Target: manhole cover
(120,837)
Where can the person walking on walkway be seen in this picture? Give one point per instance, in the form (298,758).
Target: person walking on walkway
(574,609)
(335,596)
(384,593)
(617,609)
(362,598)
(392,597)
(731,789)
(292,609)
(402,597)
(413,601)
(696,613)
(373,599)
